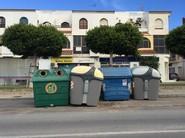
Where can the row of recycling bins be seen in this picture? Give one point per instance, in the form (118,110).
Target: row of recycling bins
(83,85)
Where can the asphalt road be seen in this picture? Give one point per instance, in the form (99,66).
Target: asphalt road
(139,123)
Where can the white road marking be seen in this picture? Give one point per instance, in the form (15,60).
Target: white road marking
(98,134)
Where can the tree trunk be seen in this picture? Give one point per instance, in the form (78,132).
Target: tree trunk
(35,60)
(31,70)
(111,59)
(126,59)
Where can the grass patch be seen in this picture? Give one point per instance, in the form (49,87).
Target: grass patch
(13,87)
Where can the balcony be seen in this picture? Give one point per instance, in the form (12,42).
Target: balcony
(66,52)
(64,30)
(146,51)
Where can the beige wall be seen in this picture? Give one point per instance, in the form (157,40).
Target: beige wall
(164,17)
(151,39)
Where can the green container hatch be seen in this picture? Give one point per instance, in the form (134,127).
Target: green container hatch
(51,87)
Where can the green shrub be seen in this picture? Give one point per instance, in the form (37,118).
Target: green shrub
(150,61)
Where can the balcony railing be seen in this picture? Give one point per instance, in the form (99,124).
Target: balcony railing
(67,52)
(65,30)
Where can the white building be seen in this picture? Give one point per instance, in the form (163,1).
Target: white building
(154,26)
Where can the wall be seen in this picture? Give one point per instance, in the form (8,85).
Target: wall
(54,17)
(124,17)
(151,39)
(16,69)
(13,16)
(164,66)
(162,15)
(93,19)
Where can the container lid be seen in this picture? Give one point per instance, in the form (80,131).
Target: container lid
(116,72)
(87,72)
(50,75)
(80,69)
(141,70)
(145,72)
(98,74)
(156,73)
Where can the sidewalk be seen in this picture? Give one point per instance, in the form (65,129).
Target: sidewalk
(16,93)
(171,93)
(28,93)
(21,101)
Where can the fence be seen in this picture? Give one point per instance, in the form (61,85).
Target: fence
(15,71)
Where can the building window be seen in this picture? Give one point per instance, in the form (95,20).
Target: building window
(2,22)
(83,23)
(145,43)
(65,25)
(47,23)
(159,44)
(103,22)
(80,45)
(23,20)
(67,44)
(158,24)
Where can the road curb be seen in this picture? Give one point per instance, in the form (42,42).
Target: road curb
(160,96)
(171,95)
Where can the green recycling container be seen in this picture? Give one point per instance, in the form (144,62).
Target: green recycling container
(51,87)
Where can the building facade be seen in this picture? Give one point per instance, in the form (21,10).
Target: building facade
(74,24)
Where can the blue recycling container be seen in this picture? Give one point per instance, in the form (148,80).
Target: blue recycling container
(117,83)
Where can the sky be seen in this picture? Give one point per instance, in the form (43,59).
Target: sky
(177,7)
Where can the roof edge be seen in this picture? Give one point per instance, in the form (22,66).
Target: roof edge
(17,9)
(160,12)
(110,11)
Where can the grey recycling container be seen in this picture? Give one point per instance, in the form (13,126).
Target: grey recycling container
(86,85)
(146,82)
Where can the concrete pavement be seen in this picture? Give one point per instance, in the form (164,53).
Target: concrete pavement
(26,105)
(163,118)
(143,123)
(28,93)
(14,100)
(167,89)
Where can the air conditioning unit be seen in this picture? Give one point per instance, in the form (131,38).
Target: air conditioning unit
(134,64)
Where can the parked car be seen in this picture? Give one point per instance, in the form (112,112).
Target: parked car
(174,76)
